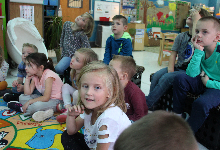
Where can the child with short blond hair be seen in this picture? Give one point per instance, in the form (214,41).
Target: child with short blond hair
(119,43)
(134,97)
(202,74)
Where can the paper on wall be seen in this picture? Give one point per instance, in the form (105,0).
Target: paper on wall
(27,12)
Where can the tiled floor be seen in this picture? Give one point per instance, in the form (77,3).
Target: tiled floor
(142,58)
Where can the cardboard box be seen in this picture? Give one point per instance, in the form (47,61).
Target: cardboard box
(138,36)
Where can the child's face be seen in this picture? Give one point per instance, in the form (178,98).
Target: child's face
(81,21)
(31,69)
(93,90)
(116,64)
(206,33)
(77,61)
(117,27)
(26,51)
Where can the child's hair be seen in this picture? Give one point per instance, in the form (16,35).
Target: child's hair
(30,45)
(213,19)
(204,13)
(40,59)
(1,56)
(123,19)
(128,64)
(90,56)
(88,29)
(156,131)
(110,77)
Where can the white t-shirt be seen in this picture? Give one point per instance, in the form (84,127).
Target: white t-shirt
(115,120)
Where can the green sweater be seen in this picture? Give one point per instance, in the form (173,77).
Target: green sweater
(210,66)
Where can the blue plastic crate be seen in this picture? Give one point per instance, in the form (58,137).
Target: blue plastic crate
(46,2)
(50,12)
(53,2)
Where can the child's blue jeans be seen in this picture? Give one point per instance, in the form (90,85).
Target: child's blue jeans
(63,64)
(208,99)
(161,82)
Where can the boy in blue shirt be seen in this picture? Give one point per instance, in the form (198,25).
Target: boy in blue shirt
(202,74)
(119,43)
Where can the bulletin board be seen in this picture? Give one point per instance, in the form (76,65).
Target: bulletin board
(105,9)
(164,13)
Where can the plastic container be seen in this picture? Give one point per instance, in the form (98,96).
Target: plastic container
(46,2)
(103,19)
(50,12)
(53,2)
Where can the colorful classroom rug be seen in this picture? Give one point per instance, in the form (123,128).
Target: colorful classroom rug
(22,133)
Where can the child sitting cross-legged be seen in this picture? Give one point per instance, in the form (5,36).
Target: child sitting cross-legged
(134,97)
(81,57)
(47,82)
(119,43)
(100,110)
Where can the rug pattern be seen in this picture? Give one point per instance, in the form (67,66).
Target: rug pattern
(23,133)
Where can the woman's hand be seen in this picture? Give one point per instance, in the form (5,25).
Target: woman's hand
(194,41)
(25,106)
(76,110)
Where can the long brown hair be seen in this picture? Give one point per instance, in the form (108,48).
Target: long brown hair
(110,77)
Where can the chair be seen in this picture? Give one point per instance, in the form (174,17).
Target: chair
(137,77)
(166,43)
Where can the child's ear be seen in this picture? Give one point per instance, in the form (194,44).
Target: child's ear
(217,36)
(124,76)
(125,27)
(41,67)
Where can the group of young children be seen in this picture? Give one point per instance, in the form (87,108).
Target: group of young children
(102,97)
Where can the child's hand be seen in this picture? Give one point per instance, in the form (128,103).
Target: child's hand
(28,77)
(204,78)
(195,15)
(195,44)
(20,88)
(15,83)
(25,106)
(76,110)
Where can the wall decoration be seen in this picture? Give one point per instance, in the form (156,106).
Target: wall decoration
(158,13)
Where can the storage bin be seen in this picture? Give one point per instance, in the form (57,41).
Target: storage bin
(46,2)
(50,12)
(103,19)
(53,2)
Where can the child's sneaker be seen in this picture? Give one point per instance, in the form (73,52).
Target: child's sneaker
(62,117)
(14,105)
(42,115)
(11,97)
(60,108)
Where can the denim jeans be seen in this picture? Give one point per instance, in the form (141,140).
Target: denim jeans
(63,64)
(161,82)
(208,99)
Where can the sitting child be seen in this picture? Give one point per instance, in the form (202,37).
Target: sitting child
(119,43)
(134,97)
(18,87)
(162,80)
(159,130)
(40,74)
(100,110)
(81,57)
(202,74)
(3,73)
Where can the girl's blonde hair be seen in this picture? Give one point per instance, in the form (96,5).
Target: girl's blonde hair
(90,56)
(88,29)
(111,79)
(1,56)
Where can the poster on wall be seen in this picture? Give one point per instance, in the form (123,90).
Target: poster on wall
(105,9)
(159,13)
(27,12)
